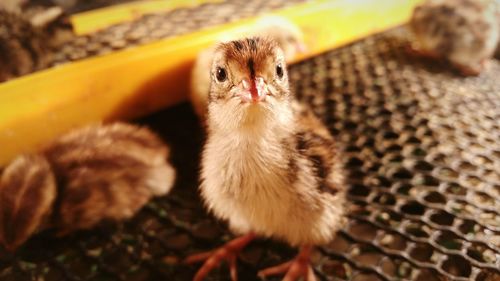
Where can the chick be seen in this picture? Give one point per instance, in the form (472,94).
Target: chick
(269,166)
(22,46)
(27,194)
(108,172)
(288,36)
(464,32)
(88,176)
(27,40)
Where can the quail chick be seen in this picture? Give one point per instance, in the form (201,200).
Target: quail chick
(27,194)
(22,47)
(288,36)
(464,32)
(86,177)
(269,166)
(108,172)
(28,40)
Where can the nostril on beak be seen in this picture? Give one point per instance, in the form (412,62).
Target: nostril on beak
(245,85)
(259,81)
(258,89)
(253,90)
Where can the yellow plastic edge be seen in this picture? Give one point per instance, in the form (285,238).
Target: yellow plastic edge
(92,21)
(132,83)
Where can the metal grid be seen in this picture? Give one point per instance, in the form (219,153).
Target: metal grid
(153,27)
(423,159)
(423,155)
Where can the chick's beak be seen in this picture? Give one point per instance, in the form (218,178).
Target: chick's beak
(253,90)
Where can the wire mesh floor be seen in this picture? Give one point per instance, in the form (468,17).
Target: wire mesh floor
(423,159)
(155,26)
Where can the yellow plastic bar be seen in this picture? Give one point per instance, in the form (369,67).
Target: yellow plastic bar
(132,83)
(88,22)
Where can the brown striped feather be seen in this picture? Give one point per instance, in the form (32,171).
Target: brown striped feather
(314,142)
(27,193)
(107,173)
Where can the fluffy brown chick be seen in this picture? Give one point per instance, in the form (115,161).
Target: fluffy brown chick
(27,193)
(27,40)
(286,34)
(464,32)
(86,177)
(269,167)
(108,173)
(22,47)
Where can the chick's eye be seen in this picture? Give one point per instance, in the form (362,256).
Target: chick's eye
(220,74)
(279,70)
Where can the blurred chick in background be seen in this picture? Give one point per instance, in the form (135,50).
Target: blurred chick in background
(22,46)
(284,32)
(464,32)
(89,176)
(28,36)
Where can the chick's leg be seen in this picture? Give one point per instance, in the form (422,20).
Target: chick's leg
(228,252)
(295,269)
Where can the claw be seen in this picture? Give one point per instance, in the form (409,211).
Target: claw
(422,53)
(299,267)
(469,70)
(228,252)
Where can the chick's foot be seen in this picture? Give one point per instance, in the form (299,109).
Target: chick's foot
(422,53)
(294,269)
(466,70)
(212,259)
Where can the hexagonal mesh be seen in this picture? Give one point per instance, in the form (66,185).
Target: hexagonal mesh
(152,27)
(423,159)
(423,154)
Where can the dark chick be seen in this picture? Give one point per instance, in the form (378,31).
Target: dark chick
(27,194)
(28,39)
(270,167)
(22,46)
(86,177)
